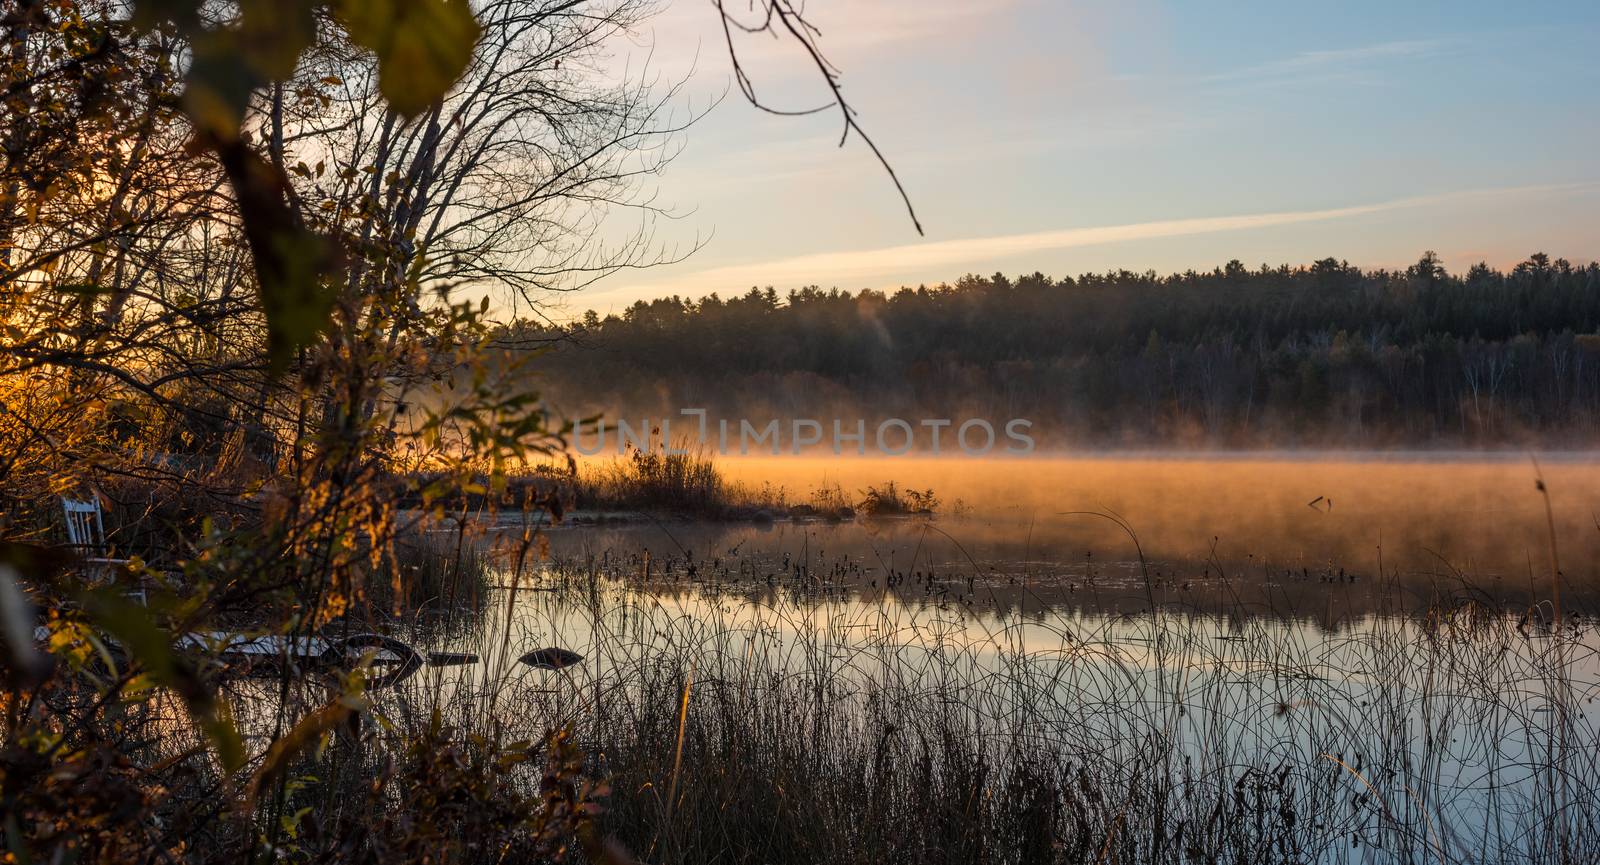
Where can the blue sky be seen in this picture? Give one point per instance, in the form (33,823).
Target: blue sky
(1074,136)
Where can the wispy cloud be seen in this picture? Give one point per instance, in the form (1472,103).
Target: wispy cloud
(1332,62)
(888,264)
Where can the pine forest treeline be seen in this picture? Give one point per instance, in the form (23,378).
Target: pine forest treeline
(1325,355)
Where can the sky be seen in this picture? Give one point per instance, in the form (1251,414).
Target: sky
(1065,137)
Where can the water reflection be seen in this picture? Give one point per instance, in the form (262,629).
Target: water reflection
(1003,567)
(1460,708)
(1390,693)
(1476,514)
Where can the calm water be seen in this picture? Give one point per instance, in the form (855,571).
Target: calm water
(1298,536)
(1430,513)
(1454,723)
(1395,638)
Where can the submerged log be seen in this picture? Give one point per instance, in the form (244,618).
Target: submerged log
(552,658)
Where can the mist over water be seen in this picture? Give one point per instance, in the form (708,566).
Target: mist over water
(1472,516)
(1262,632)
(1343,624)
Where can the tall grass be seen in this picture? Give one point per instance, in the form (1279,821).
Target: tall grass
(437,570)
(795,723)
(683,478)
(684,481)
(792,726)
(889,500)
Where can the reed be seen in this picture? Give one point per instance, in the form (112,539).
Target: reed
(788,726)
(790,721)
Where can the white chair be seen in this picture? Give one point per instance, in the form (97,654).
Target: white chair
(86,535)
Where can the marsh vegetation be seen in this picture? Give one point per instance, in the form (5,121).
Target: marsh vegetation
(766,699)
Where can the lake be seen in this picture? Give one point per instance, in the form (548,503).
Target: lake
(1354,654)
(1052,530)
